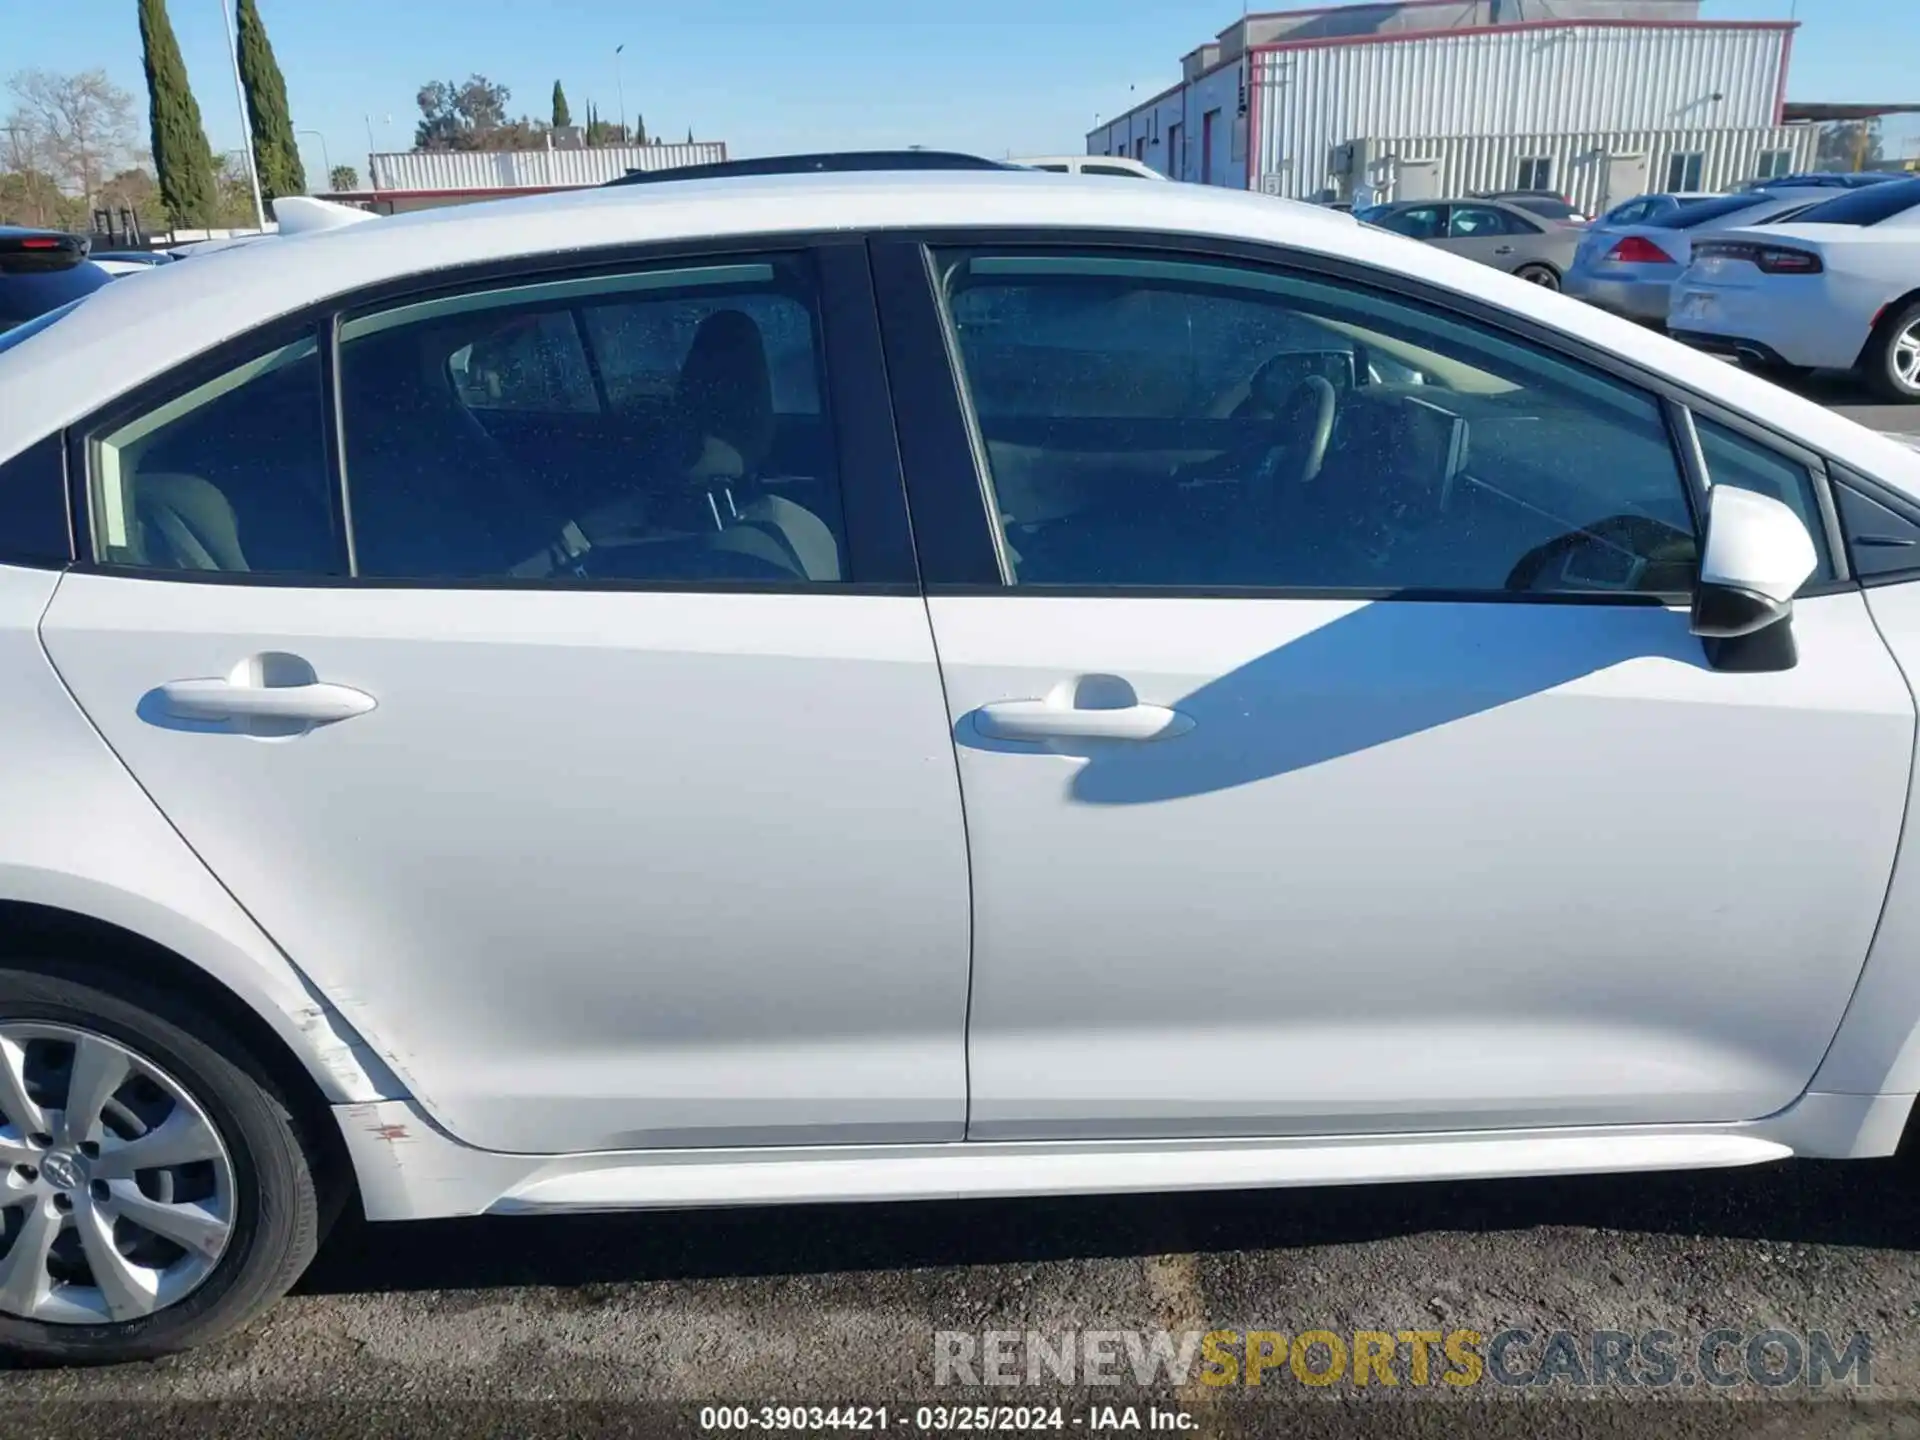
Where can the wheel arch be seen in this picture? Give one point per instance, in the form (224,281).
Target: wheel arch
(111,934)
(1889,312)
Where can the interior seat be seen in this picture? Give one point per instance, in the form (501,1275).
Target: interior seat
(725,393)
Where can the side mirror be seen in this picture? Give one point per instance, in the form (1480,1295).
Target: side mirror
(1757,555)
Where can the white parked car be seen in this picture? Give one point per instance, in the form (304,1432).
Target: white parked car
(1122,166)
(858,687)
(1837,288)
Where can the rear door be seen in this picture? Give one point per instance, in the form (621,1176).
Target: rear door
(1365,776)
(1486,234)
(618,816)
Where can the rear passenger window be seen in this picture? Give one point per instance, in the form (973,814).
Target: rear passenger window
(1158,422)
(229,477)
(656,425)
(1745,464)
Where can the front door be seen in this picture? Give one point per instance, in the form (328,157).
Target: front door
(1350,767)
(604,781)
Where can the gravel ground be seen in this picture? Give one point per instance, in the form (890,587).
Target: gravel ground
(628,1324)
(495,1325)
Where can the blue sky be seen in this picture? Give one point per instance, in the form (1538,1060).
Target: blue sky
(990,76)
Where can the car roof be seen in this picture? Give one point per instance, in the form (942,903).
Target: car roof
(176,312)
(833,162)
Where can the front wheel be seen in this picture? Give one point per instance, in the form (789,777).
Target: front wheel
(1892,361)
(154,1191)
(1545,276)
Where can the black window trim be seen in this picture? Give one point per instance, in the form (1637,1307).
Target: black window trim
(856,392)
(928,404)
(1847,478)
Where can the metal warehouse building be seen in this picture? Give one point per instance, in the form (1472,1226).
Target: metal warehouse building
(1596,99)
(427,179)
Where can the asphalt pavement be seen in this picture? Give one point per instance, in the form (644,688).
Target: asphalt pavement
(640,1323)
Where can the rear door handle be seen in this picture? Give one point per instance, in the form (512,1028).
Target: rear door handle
(314,704)
(1050,720)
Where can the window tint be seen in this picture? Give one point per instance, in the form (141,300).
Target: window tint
(1880,540)
(1422,222)
(1157,422)
(1479,221)
(1733,459)
(1630,213)
(656,425)
(1868,205)
(1113,170)
(1700,212)
(231,476)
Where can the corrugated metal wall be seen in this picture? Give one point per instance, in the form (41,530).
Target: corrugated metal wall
(1573,80)
(1582,163)
(532,169)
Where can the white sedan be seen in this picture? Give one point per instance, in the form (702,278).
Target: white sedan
(1836,288)
(860,687)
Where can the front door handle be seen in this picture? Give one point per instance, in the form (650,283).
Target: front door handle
(1503,249)
(315,704)
(267,695)
(1093,707)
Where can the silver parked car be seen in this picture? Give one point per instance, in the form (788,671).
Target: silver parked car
(1630,269)
(1499,233)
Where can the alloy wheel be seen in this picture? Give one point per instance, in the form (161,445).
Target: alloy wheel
(116,1190)
(1906,356)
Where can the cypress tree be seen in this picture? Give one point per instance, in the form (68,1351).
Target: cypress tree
(561,115)
(275,150)
(182,159)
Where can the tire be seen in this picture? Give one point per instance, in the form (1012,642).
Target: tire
(1545,276)
(260,1182)
(1891,364)
(1778,371)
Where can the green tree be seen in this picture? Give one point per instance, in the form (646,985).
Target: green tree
(561,115)
(182,159)
(344,177)
(689,135)
(275,151)
(639,129)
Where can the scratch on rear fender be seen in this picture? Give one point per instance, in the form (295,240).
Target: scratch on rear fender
(349,1061)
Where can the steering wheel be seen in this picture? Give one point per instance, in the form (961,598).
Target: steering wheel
(1304,416)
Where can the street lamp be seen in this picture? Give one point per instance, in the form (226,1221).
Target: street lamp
(246,126)
(621,91)
(325,159)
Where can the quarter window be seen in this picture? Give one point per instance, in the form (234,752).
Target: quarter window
(231,476)
(656,425)
(1157,422)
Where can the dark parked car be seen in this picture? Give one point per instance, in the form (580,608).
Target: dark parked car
(41,270)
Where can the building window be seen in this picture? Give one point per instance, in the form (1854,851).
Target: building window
(1536,174)
(1683,172)
(1774,163)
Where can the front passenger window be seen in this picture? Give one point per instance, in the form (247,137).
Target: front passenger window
(1153,421)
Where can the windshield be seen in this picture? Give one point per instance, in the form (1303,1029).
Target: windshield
(1868,205)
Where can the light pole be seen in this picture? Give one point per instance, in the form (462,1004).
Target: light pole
(325,159)
(246,126)
(621,91)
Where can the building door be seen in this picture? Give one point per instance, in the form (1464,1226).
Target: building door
(1626,178)
(1207,123)
(1417,180)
